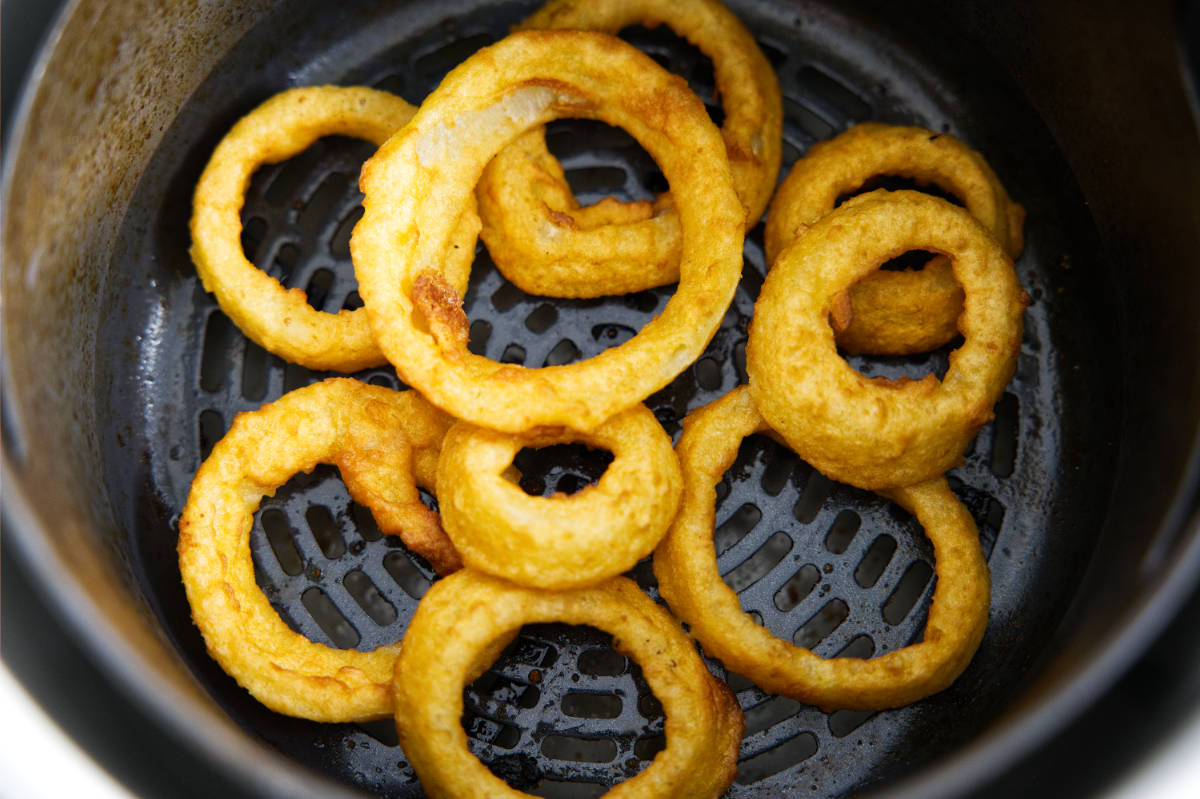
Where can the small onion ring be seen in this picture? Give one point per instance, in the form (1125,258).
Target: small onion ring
(379,439)
(280,320)
(686,567)
(453,638)
(894,312)
(421,179)
(566,540)
(535,230)
(877,433)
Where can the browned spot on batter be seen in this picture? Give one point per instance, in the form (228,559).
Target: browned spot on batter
(841,314)
(441,304)
(563,219)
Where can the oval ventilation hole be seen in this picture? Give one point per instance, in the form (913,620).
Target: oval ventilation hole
(406,575)
(612,335)
(513,353)
(808,120)
(767,714)
(289,176)
(908,591)
(565,789)
(708,374)
(325,531)
(815,82)
(579,750)
(283,266)
(541,318)
(368,597)
(322,202)
(739,362)
(564,352)
(279,536)
(1005,431)
(791,752)
(211,428)
(752,276)
(364,522)
(254,372)
(254,233)
(383,730)
(650,707)
(812,498)
(601,181)
(824,622)
(317,290)
(649,747)
(781,463)
(506,296)
(591,706)
(871,567)
(339,243)
(797,589)
(644,301)
(214,357)
(477,339)
(295,376)
(736,527)
(331,621)
(438,62)
(760,563)
(842,531)
(353,301)
(602,662)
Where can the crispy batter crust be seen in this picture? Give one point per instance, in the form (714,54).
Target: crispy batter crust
(562,541)
(379,439)
(280,320)
(546,243)
(854,429)
(894,312)
(686,567)
(454,637)
(420,181)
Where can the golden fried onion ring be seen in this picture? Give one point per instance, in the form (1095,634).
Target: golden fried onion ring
(452,640)
(535,230)
(894,312)
(562,541)
(686,567)
(278,319)
(877,433)
(379,439)
(418,182)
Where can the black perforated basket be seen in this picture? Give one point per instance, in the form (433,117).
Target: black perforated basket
(835,569)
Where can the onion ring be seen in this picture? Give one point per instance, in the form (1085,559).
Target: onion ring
(686,567)
(535,230)
(894,312)
(452,640)
(562,541)
(379,439)
(876,433)
(418,182)
(280,320)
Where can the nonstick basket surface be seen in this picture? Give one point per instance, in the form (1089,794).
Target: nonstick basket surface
(835,569)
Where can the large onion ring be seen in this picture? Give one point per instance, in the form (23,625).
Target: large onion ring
(877,433)
(894,312)
(379,439)
(278,319)
(567,540)
(452,639)
(535,230)
(419,182)
(686,567)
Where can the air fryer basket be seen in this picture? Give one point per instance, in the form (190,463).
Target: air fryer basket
(159,372)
